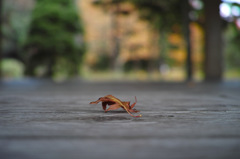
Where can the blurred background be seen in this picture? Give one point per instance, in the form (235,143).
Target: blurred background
(125,40)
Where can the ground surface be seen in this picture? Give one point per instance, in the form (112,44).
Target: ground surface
(45,120)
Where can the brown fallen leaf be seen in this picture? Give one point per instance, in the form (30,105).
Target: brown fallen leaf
(115,103)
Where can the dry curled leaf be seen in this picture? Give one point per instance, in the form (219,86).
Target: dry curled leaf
(115,103)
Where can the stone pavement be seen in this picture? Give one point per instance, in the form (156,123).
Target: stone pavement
(46,120)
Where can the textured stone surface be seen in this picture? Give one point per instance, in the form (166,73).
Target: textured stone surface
(45,120)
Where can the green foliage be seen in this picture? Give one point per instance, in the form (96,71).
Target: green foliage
(55,39)
(232,47)
(11,68)
(162,14)
(15,23)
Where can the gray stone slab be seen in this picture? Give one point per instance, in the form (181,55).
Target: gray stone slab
(45,120)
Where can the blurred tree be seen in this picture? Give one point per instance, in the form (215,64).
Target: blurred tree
(55,42)
(232,37)
(15,22)
(165,17)
(114,8)
(162,16)
(232,51)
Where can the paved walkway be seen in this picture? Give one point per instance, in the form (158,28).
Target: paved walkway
(45,120)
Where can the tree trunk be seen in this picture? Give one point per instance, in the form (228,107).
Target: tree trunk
(186,30)
(115,26)
(1,54)
(50,67)
(213,41)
